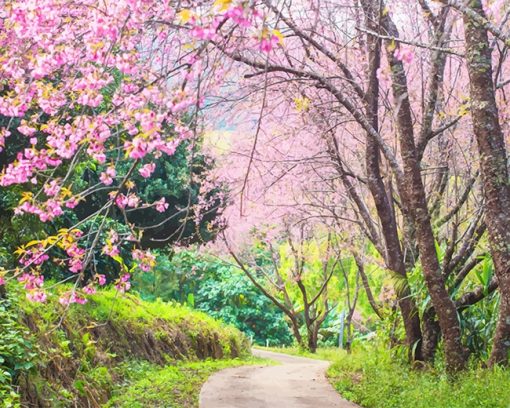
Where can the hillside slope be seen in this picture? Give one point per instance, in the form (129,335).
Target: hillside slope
(78,355)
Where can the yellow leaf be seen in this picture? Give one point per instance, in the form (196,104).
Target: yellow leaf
(65,192)
(222,5)
(463,109)
(52,240)
(32,243)
(301,104)
(278,34)
(26,196)
(97,46)
(184,16)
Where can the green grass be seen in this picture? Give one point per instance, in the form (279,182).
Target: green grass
(374,377)
(78,350)
(173,386)
(328,354)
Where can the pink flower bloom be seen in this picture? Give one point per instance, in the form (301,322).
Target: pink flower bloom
(2,281)
(133,200)
(72,202)
(89,290)
(36,296)
(111,250)
(123,283)
(147,170)
(108,175)
(105,179)
(267,44)
(147,260)
(403,54)
(52,188)
(237,15)
(161,205)
(71,297)
(137,148)
(26,130)
(121,201)
(101,279)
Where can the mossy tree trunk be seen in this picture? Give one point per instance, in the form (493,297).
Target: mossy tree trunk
(493,164)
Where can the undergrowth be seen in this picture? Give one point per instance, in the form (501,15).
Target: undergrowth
(375,377)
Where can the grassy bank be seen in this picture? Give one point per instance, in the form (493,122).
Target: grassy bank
(147,385)
(87,355)
(374,377)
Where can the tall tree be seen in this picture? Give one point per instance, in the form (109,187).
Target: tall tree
(493,164)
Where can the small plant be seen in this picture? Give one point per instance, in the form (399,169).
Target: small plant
(16,353)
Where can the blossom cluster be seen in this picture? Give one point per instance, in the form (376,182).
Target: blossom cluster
(101,82)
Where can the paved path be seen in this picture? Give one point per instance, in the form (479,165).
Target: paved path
(296,382)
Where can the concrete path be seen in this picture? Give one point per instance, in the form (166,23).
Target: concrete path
(296,382)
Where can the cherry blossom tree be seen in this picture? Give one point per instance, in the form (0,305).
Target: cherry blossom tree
(108,86)
(382,84)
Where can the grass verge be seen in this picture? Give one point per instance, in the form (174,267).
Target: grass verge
(374,377)
(174,386)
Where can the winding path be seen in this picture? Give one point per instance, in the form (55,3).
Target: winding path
(296,382)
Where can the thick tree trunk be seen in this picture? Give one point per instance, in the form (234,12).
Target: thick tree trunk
(415,198)
(394,257)
(493,163)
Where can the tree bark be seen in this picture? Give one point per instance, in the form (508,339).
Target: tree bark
(415,198)
(431,334)
(394,257)
(493,163)
(366,286)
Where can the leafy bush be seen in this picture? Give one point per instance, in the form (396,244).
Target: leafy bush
(218,289)
(232,298)
(16,353)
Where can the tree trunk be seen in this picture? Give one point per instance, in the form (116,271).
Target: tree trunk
(313,336)
(493,164)
(415,200)
(297,335)
(366,286)
(394,257)
(431,334)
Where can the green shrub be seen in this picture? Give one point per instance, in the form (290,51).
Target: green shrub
(16,353)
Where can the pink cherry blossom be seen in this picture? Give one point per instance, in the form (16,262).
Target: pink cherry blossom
(161,205)
(101,279)
(147,170)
